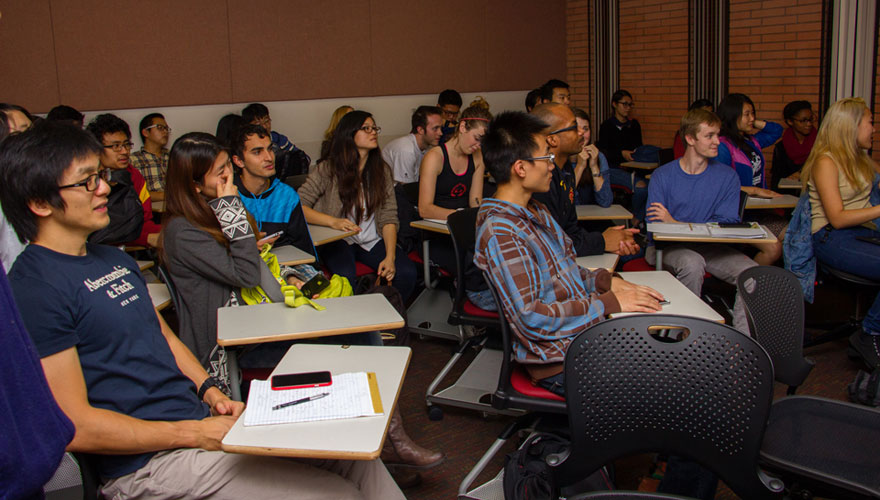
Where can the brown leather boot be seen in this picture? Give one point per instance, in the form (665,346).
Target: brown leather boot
(400,451)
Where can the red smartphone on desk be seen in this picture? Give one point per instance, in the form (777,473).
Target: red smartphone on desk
(300,380)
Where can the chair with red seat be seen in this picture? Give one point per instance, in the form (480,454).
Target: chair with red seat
(462,228)
(474,387)
(516,391)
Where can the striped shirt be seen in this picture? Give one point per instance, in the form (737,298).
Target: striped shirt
(547,298)
(152,167)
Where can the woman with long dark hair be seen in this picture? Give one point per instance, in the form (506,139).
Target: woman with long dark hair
(207,244)
(353,190)
(742,138)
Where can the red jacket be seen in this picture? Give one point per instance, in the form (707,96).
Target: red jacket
(140,187)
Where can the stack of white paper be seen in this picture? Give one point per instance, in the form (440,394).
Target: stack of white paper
(678,228)
(349,397)
(755,231)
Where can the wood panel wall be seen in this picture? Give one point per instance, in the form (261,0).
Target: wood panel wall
(100,54)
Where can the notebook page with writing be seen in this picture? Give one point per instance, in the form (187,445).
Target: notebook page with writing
(349,396)
(678,228)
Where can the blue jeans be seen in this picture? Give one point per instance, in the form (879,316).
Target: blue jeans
(840,249)
(339,257)
(629,180)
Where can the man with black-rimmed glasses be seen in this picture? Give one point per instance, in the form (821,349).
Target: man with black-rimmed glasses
(564,141)
(129,204)
(152,159)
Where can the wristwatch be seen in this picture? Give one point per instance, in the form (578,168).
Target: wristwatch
(207,384)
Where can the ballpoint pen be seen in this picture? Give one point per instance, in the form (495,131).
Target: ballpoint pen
(303,400)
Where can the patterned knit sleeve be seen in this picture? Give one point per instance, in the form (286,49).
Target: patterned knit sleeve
(232,217)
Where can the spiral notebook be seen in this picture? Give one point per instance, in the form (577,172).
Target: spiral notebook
(351,395)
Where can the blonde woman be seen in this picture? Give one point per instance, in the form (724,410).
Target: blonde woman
(337,115)
(838,177)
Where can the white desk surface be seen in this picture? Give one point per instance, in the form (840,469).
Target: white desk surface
(160,295)
(272,322)
(681,300)
(595,212)
(784,201)
(351,439)
(790,184)
(770,238)
(427,225)
(642,165)
(145,264)
(289,255)
(321,235)
(592,262)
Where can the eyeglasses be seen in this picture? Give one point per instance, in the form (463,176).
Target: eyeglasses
(809,119)
(92,182)
(368,129)
(550,158)
(162,128)
(627,104)
(566,129)
(119,146)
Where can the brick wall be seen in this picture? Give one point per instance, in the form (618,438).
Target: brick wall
(654,64)
(579,23)
(775,51)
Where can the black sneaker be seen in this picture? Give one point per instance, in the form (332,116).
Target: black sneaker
(867,347)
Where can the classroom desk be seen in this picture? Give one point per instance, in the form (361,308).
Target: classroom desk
(289,255)
(592,262)
(681,300)
(769,238)
(273,322)
(145,264)
(321,235)
(158,206)
(784,201)
(348,439)
(641,165)
(428,313)
(595,212)
(790,184)
(160,295)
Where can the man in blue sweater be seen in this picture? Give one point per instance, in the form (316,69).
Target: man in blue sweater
(696,188)
(273,204)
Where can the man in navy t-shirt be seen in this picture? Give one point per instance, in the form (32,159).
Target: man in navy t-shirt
(137,396)
(695,188)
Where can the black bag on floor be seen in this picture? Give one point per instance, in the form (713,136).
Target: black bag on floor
(864,389)
(528,476)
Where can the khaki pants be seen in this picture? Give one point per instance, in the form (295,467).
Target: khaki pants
(194,473)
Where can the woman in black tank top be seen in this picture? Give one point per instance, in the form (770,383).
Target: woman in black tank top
(451,174)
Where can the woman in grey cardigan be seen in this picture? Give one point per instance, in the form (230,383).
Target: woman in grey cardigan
(353,190)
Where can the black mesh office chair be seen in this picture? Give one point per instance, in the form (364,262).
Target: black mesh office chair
(825,445)
(705,396)
(775,310)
